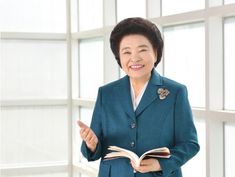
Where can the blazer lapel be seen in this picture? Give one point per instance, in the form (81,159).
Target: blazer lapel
(150,93)
(125,96)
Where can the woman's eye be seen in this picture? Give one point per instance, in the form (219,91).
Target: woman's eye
(127,53)
(143,50)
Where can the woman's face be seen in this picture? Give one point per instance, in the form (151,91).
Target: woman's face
(137,57)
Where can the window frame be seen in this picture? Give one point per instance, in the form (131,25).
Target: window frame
(214,115)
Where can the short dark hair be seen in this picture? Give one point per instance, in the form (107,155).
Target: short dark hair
(140,26)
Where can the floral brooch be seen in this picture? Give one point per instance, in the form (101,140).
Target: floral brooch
(162,92)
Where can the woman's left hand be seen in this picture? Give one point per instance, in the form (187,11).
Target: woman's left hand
(148,165)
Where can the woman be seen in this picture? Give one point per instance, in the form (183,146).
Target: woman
(140,111)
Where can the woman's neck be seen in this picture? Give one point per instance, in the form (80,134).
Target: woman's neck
(138,84)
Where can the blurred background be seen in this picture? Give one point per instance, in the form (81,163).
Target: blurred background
(55,54)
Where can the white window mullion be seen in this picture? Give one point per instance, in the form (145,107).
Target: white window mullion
(69,89)
(109,12)
(214,96)
(153,8)
(31,36)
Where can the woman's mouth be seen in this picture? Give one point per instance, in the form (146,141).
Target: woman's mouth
(136,67)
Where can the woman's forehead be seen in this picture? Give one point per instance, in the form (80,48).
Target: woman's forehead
(135,40)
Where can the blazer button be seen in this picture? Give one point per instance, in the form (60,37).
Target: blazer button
(132,144)
(133,125)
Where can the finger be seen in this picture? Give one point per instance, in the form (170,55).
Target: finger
(94,140)
(82,130)
(84,133)
(144,163)
(143,169)
(81,124)
(133,165)
(89,136)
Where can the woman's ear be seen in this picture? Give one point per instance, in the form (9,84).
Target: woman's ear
(155,57)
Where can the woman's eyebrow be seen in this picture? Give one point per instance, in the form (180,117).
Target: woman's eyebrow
(140,46)
(143,46)
(125,48)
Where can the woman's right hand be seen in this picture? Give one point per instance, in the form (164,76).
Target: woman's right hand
(88,136)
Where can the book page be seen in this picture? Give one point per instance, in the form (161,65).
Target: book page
(163,152)
(122,152)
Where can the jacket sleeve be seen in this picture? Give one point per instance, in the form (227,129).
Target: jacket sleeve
(96,127)
(185,135)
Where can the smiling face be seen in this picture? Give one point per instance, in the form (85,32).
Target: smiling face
(137,57)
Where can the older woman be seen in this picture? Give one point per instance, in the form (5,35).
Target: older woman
(140,111)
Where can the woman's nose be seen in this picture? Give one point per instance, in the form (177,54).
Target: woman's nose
(135,57)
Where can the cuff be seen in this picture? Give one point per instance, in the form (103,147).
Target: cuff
(91,156)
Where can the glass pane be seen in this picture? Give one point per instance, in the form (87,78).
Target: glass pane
(33,135)
(33,15)
(170,7)
(229,149)
(184,59)
(33,69)
(131,8)
(198,161)
(91,67)
(229,63)
(229,1)
(90,14)
(86,115)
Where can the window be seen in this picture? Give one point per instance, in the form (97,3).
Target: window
(37,54)
(170,7)
(229,149)
(229,63)
(32,135)
(86,115)
(91,64)
(33,16)
(90,14)
(199,161)
(229,1)
(184,59)
(33,69)
(130,8)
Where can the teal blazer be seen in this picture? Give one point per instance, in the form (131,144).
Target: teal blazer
(155,123)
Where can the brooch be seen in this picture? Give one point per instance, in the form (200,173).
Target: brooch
(162,92)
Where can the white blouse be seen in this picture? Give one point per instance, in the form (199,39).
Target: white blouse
(136,101)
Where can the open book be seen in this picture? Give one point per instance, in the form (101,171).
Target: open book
(118,152)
